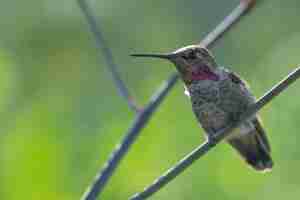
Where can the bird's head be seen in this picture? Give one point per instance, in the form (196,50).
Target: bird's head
(193,62)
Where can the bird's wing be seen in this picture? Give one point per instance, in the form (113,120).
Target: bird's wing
(243,85)
(256,121)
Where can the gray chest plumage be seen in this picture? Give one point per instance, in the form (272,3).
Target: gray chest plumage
(217,103)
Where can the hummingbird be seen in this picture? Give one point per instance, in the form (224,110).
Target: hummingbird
(218,97)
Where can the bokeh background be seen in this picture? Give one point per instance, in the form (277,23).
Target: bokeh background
(61,115)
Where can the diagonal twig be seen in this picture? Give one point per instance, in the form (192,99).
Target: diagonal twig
(140,121)
(107,54)
(203,149)
(227,23)
(143,117)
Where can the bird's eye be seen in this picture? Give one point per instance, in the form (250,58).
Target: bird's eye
(190,56)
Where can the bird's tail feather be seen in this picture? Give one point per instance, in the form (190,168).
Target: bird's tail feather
(252,148)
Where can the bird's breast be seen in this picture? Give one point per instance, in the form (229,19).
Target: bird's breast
(217,103)
(205,91)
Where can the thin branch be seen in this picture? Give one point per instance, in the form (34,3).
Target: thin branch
(107,54)
(140,121)
(143,117)
(227,23)
(203,149)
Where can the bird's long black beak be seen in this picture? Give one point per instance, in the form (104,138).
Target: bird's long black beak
(163,56)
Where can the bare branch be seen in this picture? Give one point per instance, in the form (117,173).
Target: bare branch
(227,23)
(107,54)
(204,148)
(140,121)
(143,117)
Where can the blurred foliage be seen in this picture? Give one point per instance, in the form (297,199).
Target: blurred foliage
(61,115)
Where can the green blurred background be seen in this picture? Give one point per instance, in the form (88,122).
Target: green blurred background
(61,115)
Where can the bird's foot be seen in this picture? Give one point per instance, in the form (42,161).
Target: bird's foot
(211,139)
